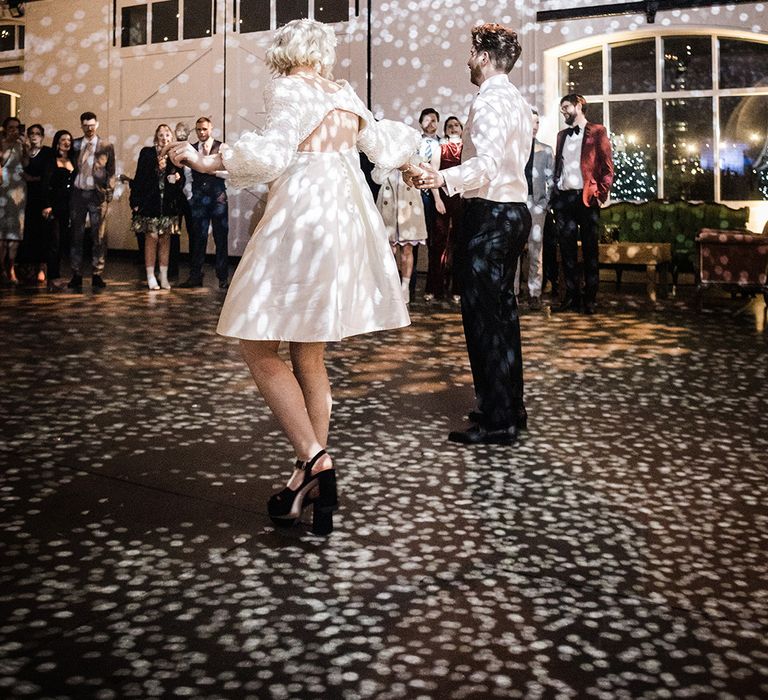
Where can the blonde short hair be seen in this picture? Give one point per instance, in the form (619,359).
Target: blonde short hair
(303,42)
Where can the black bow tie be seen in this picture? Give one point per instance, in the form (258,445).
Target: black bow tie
(574,130)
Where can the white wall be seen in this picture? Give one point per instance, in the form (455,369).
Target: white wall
(419,55)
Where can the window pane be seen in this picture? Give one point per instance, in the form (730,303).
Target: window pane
(197,18)
(633,67)
(584,75)
(633,136)
(594,113)
(21,36)
(743,63)
(134,26)
(291,9)
(687,63)
(165,21)
(7,37)
(744,147)
(688,153)
(331,10)
(254,16)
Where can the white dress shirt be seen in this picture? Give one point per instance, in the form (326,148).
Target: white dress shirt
(571,177)
(86,159)
(497,143)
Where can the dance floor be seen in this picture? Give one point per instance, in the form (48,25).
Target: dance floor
(619,550)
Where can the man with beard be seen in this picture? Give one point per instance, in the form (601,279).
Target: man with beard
(583,178)
(495,226)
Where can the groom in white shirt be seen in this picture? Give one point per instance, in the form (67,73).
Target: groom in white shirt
(491,180)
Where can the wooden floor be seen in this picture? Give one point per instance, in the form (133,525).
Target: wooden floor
(619,550)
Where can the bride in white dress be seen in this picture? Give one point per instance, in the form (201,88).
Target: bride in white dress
(318,267)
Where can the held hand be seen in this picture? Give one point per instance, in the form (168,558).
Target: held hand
(182,153)
(430,179)
(439,205)
(47,212)
(412,175)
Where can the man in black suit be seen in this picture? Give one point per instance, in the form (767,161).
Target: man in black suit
(209,208)
(94,184)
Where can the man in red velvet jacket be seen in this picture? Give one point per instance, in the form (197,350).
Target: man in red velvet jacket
(583,178)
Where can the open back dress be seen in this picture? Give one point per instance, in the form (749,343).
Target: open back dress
(318,266)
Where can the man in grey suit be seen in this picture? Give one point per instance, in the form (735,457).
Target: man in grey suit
(539,172)
(94,184)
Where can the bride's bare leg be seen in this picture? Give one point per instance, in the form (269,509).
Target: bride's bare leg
(309,368)
(282,392)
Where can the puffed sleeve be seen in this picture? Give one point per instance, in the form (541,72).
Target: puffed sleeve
(387,143)
(258,158)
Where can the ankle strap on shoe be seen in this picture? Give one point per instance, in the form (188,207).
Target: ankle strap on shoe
(308,466)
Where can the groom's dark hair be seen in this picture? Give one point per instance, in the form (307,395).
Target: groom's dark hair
(500,42)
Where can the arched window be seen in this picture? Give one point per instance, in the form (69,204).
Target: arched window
(686,113)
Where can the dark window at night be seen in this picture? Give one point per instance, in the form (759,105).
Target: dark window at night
(585,74)
(687,63)
(744,147)
(165,21)
(633,136)
(633,67)
(688,149)
(291,9)
(134,26)
(7,37)
(197,18)
(743,63)
(331,10)
(254,16)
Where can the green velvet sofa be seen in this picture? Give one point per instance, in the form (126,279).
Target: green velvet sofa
(677,223)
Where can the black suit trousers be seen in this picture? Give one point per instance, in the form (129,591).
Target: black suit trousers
(576,221)
(492,237)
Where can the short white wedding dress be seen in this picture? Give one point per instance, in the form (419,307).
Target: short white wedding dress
(318,266)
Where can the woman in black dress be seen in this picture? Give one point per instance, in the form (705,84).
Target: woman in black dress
(155,193)
(57,187)
(37,229)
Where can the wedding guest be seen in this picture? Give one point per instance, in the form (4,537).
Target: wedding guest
(13,157)
(538,172)
(209,210)
(429,147)
(57,190)
(402,211)
(94,161)
(155,194)
(583,179)
(318,267)
(37,229)
(439,277)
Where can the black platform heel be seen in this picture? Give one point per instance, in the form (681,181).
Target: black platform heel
(285,506)
(327,500)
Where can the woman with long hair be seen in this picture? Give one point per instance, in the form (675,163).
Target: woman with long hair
(318,267)
(57,188)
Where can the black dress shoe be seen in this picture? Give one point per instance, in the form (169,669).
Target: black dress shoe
(191,284)
(478,435)
(569,305)
(223,284)
(76,282)
(589,309)
(522,419)
(97,282)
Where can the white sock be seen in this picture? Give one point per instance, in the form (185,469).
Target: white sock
(405,283)
(151,279)
(164,283)
(405,287)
